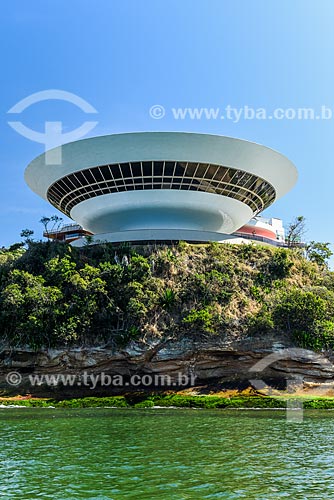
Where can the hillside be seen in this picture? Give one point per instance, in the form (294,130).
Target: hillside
(53,295)
(205,312)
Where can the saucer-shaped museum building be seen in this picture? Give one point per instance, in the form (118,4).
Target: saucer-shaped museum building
(162,185)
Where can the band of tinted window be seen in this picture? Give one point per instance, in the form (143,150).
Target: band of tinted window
(78,186)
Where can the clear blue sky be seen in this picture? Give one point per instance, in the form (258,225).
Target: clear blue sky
(123,56)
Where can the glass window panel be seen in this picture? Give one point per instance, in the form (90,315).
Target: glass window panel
(190,169)
(81,179)
(242,178)
(111,183)
(210,171)
(195,183)
(71,182)
(176,181)
(70,196)
(116,171)
(158,167)
(96,174)
(201,170)
(103,185)
(169,168)
(105,171)
(220,172)
(244,182)
(55,192)
(136,169)
(258,186)
(147,168)
(137,181)
(63,187)
(125,167)
(251,184)
(179,169)
(88,175)
(234,176)
(168,179)
(263,191)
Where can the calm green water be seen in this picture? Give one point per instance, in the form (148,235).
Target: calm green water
(167,454)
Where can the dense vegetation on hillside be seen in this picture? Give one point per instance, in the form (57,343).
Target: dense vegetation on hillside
(52,294)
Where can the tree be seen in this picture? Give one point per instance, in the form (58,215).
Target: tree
(29,309)
(55,226)
(57,221)
(318,252)
(88,239)
(296,230)
(298,310)
(45,221)
(26,234)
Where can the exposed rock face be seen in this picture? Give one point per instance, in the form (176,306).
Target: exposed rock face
(173,365)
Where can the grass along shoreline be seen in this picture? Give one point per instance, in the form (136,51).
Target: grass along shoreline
(173,400)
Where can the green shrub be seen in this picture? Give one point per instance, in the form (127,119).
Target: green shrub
(168,299)
(202,319)
(280,264)
(299,310)
(261,323)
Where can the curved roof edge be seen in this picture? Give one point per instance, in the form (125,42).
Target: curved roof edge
(170,146)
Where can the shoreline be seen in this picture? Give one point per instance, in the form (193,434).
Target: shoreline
(162,401)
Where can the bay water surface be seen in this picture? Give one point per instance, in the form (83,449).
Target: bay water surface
(168,454)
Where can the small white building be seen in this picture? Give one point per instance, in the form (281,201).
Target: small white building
(267,230)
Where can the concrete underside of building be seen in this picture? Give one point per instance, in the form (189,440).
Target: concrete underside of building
(167,236)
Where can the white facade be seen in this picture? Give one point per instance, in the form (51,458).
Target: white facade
(201,185)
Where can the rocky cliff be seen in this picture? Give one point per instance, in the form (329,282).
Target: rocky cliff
(169,365)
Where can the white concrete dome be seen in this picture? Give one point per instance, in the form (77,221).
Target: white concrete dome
(162,185)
